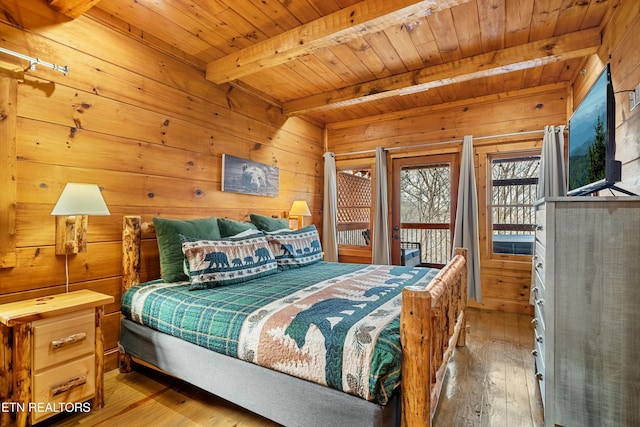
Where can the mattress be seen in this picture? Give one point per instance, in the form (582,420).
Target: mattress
(330,323)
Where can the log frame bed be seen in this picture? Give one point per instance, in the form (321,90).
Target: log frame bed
(432,324)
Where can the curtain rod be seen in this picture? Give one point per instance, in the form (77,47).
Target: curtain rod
(504,135)
(34,61)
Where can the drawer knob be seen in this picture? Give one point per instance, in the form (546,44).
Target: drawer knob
(539,376)
(73,383)
(540,338)
(56,344)
(534,353)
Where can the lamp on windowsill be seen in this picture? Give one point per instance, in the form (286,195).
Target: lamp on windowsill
(72,211)
(299,209)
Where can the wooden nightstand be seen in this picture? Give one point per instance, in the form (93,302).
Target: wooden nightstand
(55,345)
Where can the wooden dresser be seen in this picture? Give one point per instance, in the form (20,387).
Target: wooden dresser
(52,355)
(586,273)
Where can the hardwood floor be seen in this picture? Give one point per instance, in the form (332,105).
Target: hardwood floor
(490,382)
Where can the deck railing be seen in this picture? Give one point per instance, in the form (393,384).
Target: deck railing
(435,239)
(435,243)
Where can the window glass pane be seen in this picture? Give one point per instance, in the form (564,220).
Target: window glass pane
(425,195)
(354,207)
(425,212)
(513,192)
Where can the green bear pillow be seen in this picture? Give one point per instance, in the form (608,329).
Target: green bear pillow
(266,223)
(168,233)
(229,227)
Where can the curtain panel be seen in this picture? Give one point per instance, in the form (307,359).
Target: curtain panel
(330,210)
(551,182)
(466,232)
(380,240)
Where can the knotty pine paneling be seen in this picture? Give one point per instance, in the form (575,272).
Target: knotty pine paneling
(150,130)
(524,110)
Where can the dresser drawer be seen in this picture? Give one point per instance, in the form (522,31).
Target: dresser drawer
(63,338)
(539,306)
(541,226)
(540,252)
(540,367)
(538,290)
(71,382)
(539,322)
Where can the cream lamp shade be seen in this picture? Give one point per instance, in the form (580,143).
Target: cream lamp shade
(75,204)
(80,199)
(300,209)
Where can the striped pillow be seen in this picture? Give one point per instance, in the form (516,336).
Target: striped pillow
(214,263)
(295,248)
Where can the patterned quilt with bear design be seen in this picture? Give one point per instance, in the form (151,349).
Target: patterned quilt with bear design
(331,323)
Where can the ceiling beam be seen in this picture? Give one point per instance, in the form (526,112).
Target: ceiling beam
(352,22)
(72,8)
(530,55)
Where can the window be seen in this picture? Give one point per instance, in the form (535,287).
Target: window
(354,207)
(514,183)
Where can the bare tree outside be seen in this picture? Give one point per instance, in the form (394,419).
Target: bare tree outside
(425,205)
(513,193)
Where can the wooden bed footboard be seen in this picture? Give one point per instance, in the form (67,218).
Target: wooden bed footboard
(432,323)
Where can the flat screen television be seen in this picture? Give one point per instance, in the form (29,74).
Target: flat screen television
(592,143)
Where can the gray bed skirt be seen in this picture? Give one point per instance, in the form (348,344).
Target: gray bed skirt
(279,397)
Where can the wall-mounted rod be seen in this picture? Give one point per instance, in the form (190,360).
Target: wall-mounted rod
(36,61)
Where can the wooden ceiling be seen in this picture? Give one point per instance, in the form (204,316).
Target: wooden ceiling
(335,60)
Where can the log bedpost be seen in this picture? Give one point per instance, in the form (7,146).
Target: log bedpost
(415,338)
(131,242)
(462,303)
(431,325)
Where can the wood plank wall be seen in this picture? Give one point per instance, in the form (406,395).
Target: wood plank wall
(505,280)
(146,127)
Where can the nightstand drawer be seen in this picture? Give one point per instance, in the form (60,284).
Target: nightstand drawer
(63,338)
(72,382)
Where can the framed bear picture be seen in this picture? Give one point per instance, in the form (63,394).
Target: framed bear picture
(248,177)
